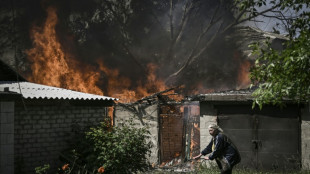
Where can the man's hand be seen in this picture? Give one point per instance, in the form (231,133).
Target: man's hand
(206,158)
(198,156)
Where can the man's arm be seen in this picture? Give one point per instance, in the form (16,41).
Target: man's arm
(208,149)
(205,151)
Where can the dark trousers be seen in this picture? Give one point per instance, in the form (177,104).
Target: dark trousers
(227,171)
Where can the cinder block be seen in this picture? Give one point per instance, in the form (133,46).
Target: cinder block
(70,115)
(22,131)
(51,121)
(31,131)
(42,112)
(28,126)
(39,131)
(45,117)
(46,126)
(37,126)
(76,111)
(60,121)
(25,116)
(84,111)
(55,125)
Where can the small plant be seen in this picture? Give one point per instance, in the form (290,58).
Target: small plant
(122,149)
(42,169)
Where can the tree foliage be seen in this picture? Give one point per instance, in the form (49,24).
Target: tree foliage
(285,74)
(184,38)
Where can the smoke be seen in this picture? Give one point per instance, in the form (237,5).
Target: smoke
(129,35)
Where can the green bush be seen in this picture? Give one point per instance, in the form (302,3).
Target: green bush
(122,149)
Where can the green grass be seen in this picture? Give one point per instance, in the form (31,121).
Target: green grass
(202,169)
(216,171)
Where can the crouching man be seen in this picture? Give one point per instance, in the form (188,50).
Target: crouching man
(222,149)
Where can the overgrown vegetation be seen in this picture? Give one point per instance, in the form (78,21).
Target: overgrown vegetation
(121,149)
(213,169)
(285,74)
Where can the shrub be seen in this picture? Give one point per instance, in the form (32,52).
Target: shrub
(122,149)
(42,169)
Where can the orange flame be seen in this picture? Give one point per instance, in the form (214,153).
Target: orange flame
(52,66)
(243,76)
(194,142)
(243,80)
(201,89)
(118,86)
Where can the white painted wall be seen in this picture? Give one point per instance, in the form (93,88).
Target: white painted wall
(149,116)
(305,138)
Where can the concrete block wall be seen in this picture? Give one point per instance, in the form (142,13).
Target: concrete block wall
(145,116)
(6,137)
(42,132)
(208,116)
(305,138)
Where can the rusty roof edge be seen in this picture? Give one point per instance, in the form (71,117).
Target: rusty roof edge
(223,97)
(228,95)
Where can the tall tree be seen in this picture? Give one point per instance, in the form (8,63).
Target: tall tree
(14,28)
(179,36)
(187,39)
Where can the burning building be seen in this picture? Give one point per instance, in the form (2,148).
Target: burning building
(271,139)
(179,129)
(131,54)
(173,124)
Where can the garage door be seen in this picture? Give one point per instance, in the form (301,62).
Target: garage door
(267,139)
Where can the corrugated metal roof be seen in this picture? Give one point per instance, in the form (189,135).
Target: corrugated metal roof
(231,95)
(36,91)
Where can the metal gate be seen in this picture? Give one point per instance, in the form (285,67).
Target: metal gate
(171,132)
(192,129)
(267,139)
(179,131)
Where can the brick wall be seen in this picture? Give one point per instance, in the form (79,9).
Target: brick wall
(42,132)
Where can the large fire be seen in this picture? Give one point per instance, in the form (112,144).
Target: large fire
(53,66)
